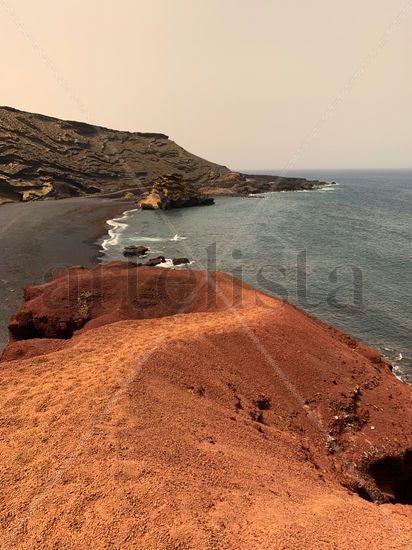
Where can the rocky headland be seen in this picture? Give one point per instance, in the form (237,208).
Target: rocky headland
(157,408)
(172,192)
(44,157)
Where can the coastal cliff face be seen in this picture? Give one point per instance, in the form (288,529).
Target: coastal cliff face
(181,409)
(44,157)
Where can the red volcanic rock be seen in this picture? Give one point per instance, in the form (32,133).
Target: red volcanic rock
(80,299)
(169,409)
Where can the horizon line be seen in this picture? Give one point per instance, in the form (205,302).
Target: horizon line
(245,170)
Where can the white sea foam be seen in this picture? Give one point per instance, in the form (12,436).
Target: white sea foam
(395,358)
(169,263)
(264,194)
(397,372)
(143,238)
(118,226)
(325,187)
(114,233)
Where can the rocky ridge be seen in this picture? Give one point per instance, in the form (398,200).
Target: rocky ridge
(163,409)
(181,409)
(45,157)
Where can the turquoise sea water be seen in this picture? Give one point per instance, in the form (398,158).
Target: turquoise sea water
(343,253)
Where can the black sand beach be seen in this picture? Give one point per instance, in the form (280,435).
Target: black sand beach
(37,239)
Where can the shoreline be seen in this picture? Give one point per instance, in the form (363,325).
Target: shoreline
(389,350)
(42,237)
(75,230)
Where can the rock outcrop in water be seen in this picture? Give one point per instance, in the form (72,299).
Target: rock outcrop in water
(134,250)
(172,192)
(158,408)
(44,157)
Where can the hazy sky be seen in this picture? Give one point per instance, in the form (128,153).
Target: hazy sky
(247,83)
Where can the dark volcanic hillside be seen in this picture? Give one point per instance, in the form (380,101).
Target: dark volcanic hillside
(41,156)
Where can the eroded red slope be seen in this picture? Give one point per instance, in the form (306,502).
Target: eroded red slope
(223,427)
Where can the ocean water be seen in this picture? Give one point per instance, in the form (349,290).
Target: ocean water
(343,252)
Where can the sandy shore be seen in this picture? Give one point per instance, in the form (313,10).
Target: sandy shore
(39,238)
